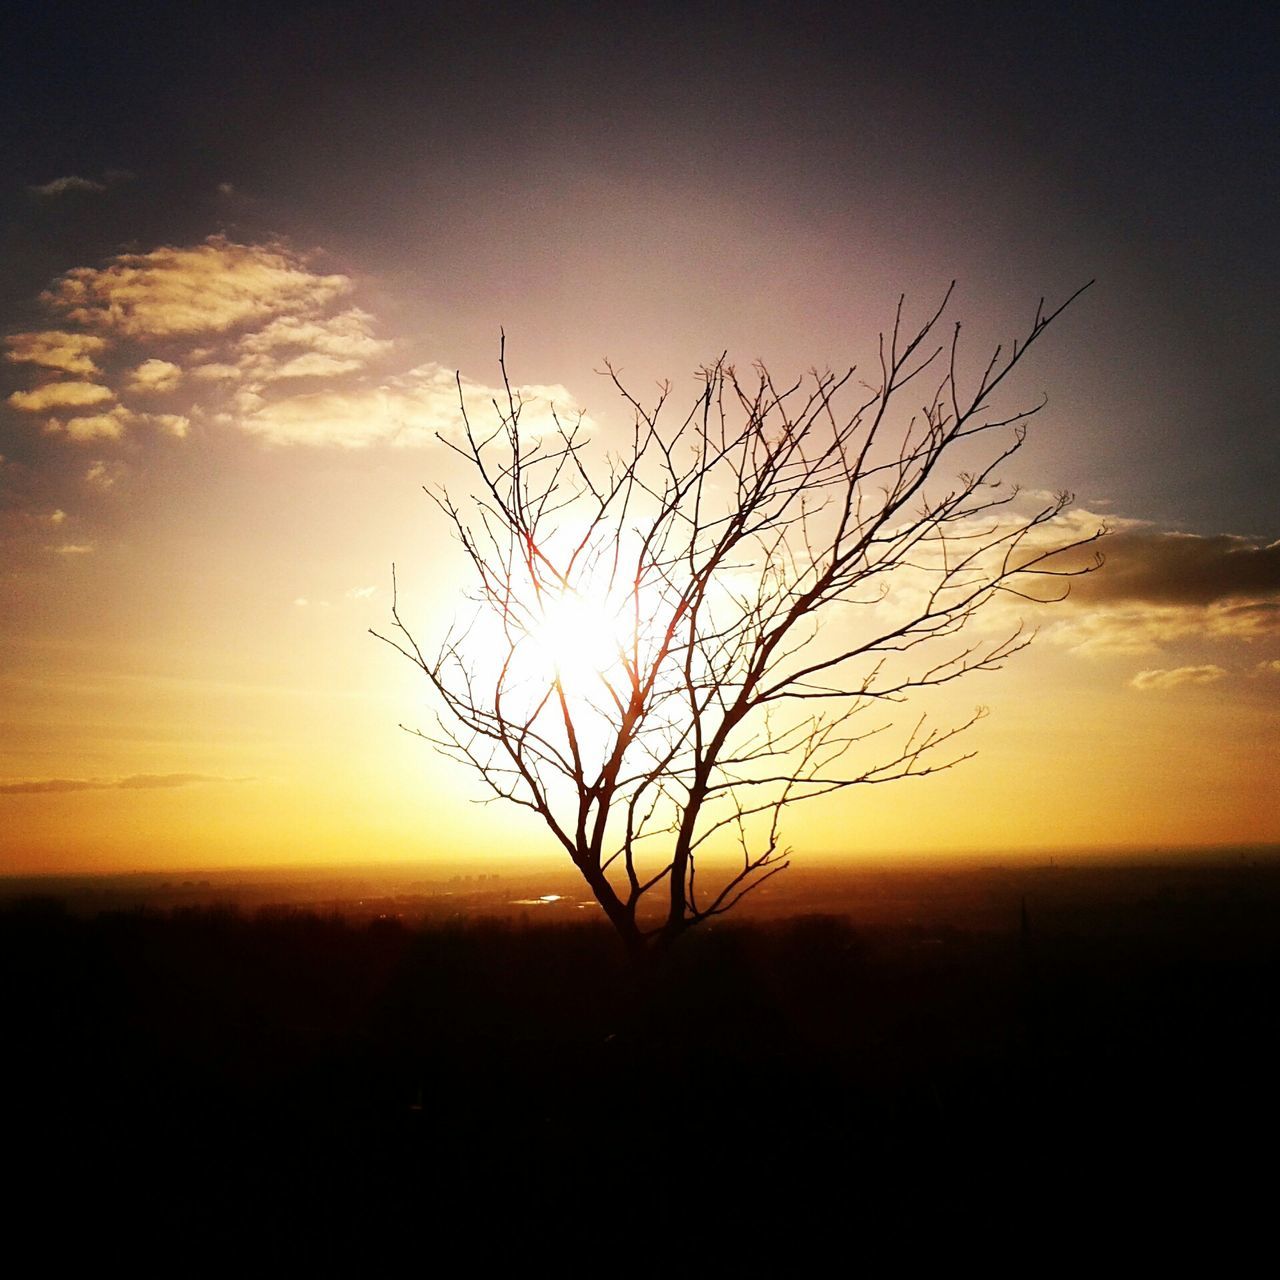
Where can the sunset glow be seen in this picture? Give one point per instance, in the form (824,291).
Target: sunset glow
(227,380)
(580,636)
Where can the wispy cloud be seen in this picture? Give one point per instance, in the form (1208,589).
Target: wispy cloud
(206,288)
(1209,673)
(103,473)
(61,186)
(134,782)
(408,411)
(1136,629)
(214,372)
(176,425)
(303,347)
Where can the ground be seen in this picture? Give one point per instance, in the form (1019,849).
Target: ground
(994,1050)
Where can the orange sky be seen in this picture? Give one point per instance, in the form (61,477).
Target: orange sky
(191,681)
(230,340)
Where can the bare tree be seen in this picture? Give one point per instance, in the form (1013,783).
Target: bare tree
(673,642)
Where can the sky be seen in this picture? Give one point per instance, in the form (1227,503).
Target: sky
(250,250)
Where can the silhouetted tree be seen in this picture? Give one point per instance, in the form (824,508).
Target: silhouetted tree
(674,641)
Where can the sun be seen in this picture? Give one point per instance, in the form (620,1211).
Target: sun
(580,637)
(583,642)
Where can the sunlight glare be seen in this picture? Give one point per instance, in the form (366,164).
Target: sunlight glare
(580,636)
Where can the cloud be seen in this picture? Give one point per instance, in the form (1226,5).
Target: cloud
(1158,587)
(171,424)
(325,346)
(233,329)
(214,372)
(56,349)
(405,411)
(1267,667)
(1147,628)
(98,426)
(104,475)
(202,289)
(26,509)
(258,314)
(148,781)
(1210,673)
(1163,568)
(111,426)
(61,395)
(72,182)
(74,549)
(361,593)
(294,346)
(155,375)
(135,782)
(311,364)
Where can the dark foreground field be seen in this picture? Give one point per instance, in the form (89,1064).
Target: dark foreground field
(277,1081)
